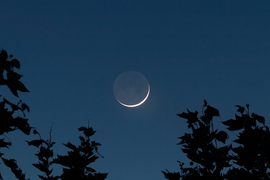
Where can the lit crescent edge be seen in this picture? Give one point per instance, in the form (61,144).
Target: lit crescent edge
(135,105)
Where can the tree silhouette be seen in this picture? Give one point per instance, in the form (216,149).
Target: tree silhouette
(76,163)
(78,159)
(249,159)
(8,122)
(45,156)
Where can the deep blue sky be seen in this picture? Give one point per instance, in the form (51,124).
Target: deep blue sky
(72,51)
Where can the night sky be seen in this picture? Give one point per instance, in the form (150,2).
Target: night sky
(71,52)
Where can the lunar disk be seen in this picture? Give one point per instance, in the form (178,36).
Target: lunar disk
(131,89)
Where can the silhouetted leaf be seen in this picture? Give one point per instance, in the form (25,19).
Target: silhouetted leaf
(22,124)
(41,167)
(24,106)
(222,136)
(13,90)
(94,143)
(82,128)
(206,120)
(204,103)
(185,139)
(13,106)
(171,176)
(246,120)
(260,119)
(3,55)
(229,122)
(16,85)
(13,76)
(81,138)
(87,131)
(90,169)
(43,178)
(93,159)
(211,111)
(15,63)
(20,86)
(4,143)
(234,124)
(11,163)
(190,116)
(71,146)
(240,109)
(35,143)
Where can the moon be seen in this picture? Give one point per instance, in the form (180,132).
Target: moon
(131,89)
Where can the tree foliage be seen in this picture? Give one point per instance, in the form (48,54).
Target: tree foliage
(8,121)
(45,156)
(76,163)
(247,158)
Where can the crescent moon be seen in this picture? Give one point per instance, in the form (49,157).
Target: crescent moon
(135,105)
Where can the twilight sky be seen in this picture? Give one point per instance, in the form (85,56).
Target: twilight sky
(72,51)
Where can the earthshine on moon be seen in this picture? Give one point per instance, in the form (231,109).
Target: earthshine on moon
(131,89)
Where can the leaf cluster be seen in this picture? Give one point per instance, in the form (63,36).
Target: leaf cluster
(76,162)
(252,155)
(249,160)
(7,109)
(200,146)
(7,66)
(45,156)
(8,121)
(12,164)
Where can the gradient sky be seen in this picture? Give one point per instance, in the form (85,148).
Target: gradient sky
(72,51)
